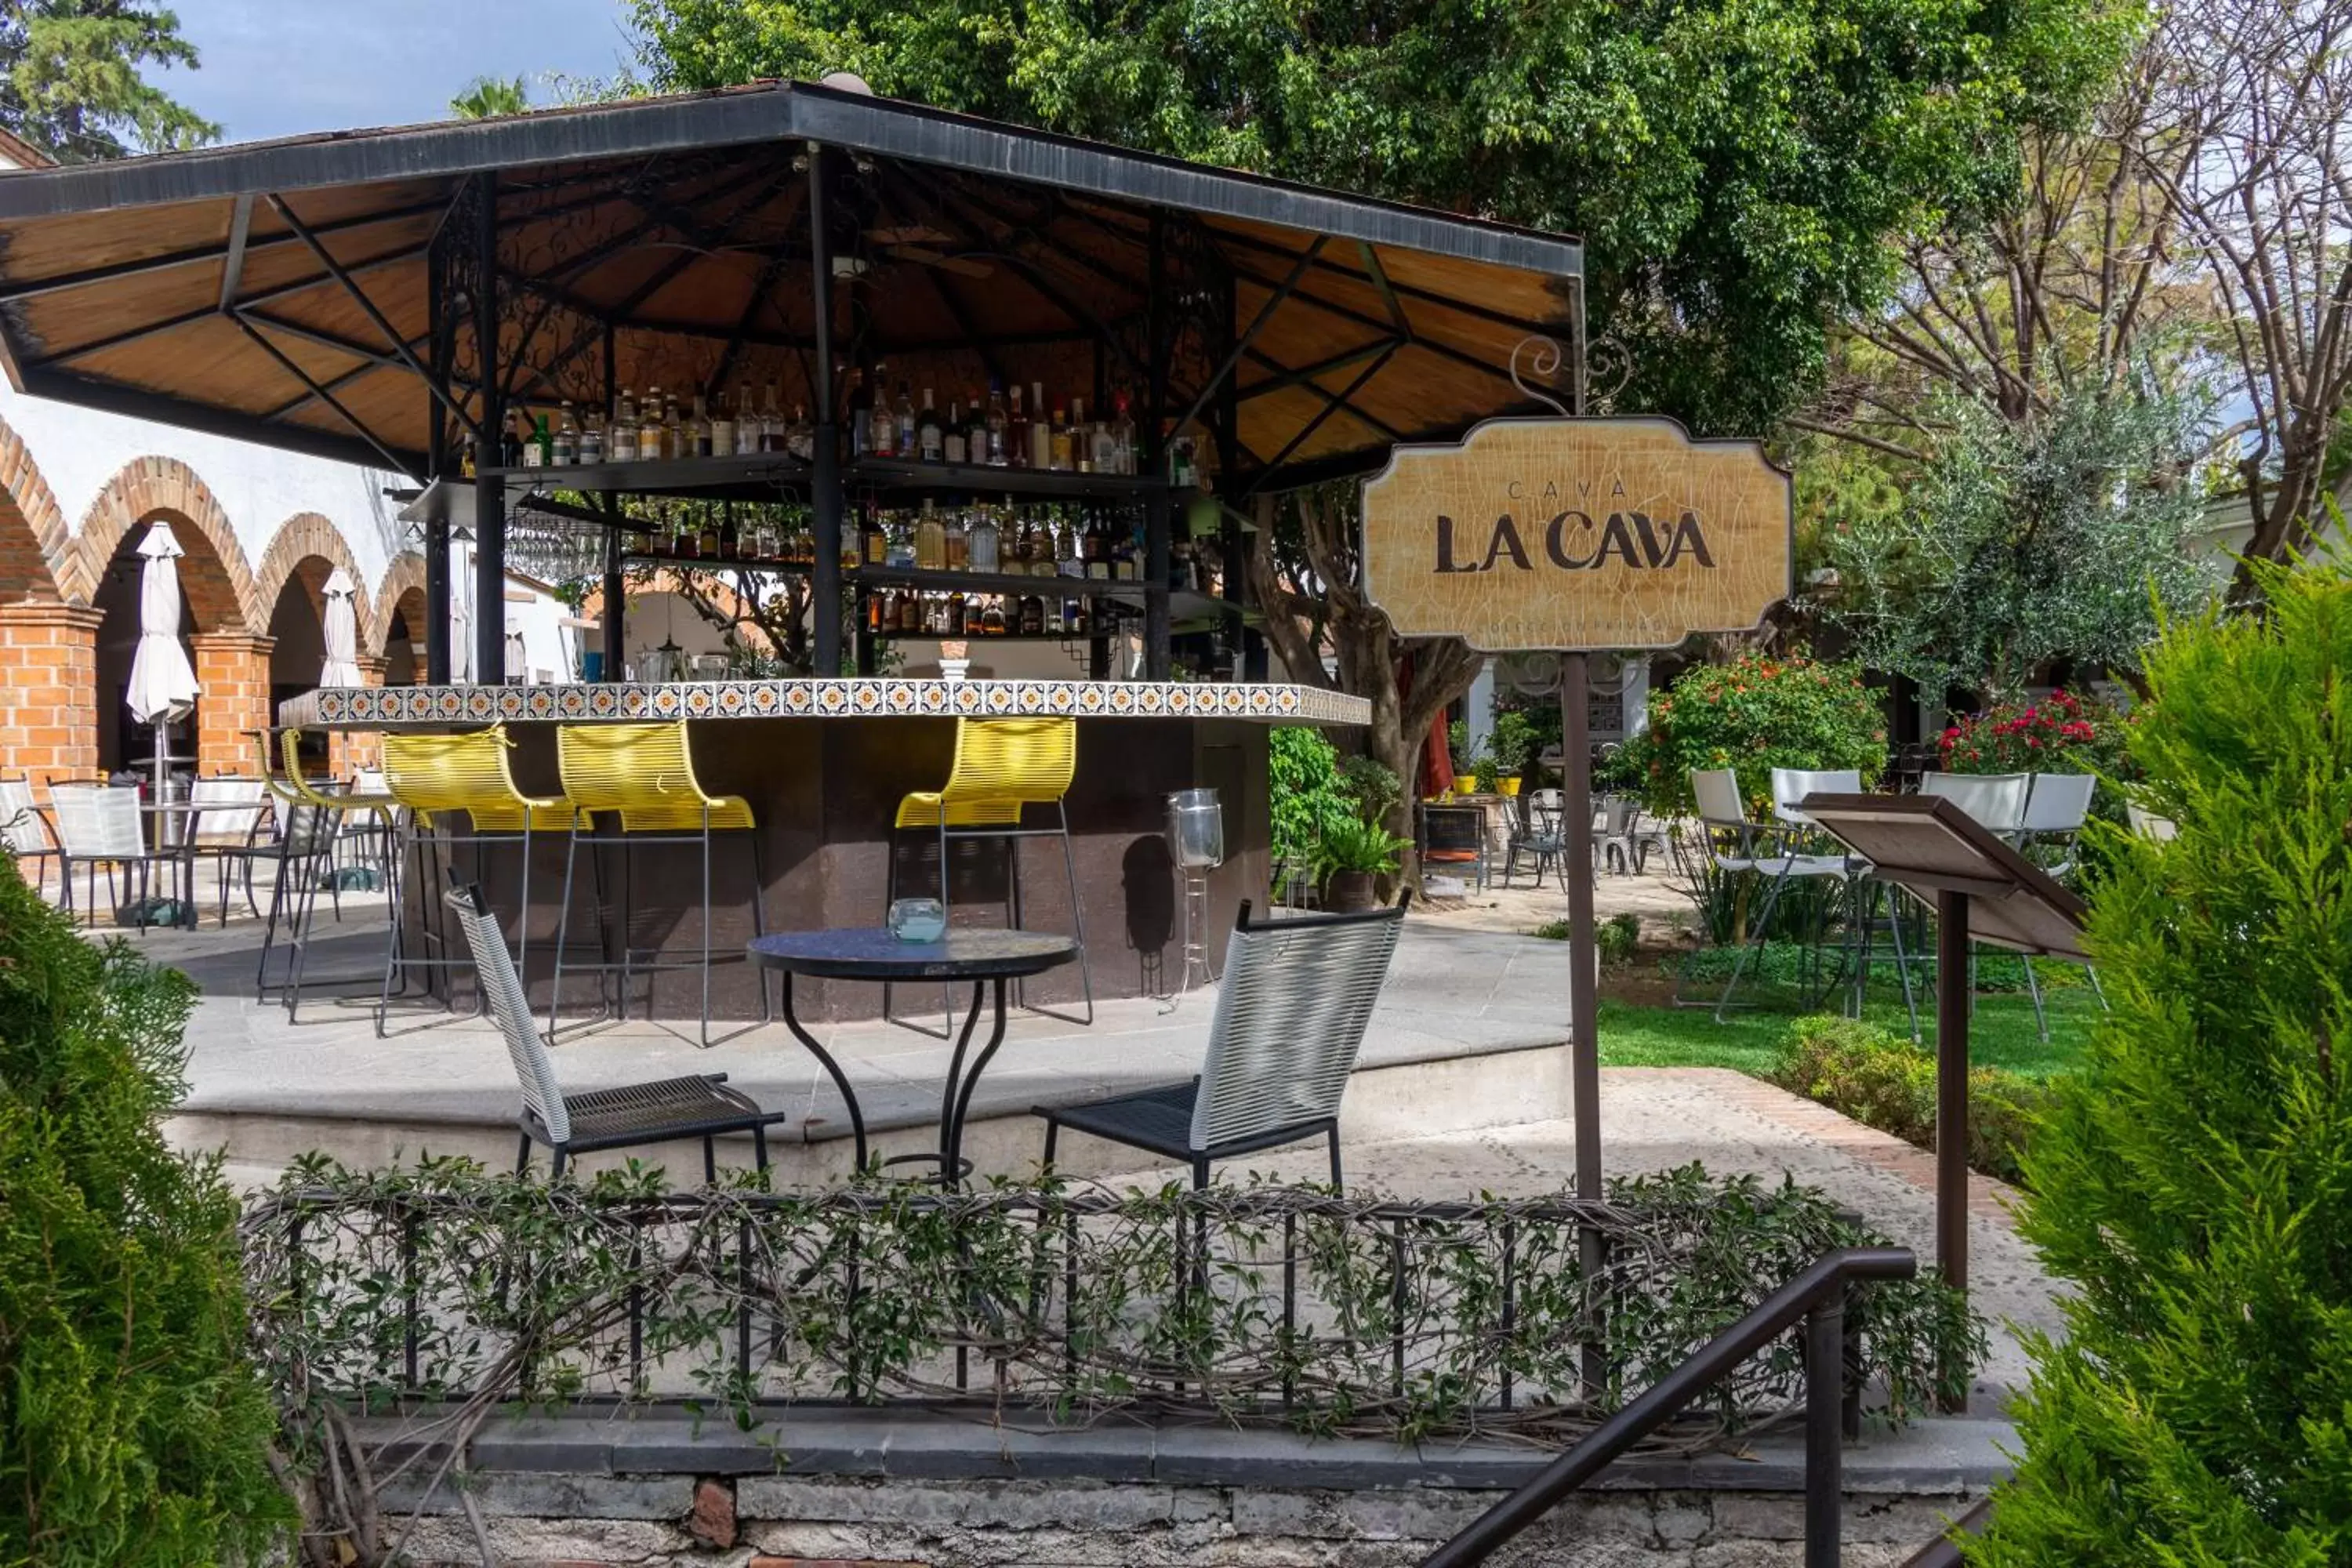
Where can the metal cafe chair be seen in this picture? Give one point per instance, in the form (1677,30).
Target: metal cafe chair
(630,1116)
(1002,767)
(1540,830)
(1296,996)
(1738,846)
(1455,835)
(1996,802)
(101,824)
(226,818)
(2057,806)
(304,853)
(23,832)
(1863,891)
(643,774)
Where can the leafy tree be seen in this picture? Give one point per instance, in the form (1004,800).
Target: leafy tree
(1752,715)
(2021,543)
(134,1432)
(487,96)
(2189,1181)
(71,81)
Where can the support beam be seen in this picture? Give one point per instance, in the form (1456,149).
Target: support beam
(824,478)
(1952,1093)
(1583,969)
(1333,403)
(329,398)
(490,494)
(1258,323)
(240,225)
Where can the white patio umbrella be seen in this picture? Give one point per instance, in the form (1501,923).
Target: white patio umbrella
(162,683)
(461,606)
(342,631)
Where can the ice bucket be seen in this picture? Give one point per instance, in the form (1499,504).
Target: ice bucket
(1196,829)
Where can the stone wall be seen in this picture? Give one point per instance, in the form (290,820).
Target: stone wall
(821,1489)
(47,730)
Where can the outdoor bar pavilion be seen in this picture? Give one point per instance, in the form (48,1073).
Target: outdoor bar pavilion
(393,297)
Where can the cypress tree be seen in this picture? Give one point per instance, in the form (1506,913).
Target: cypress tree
(134,1432)
(2194,1181)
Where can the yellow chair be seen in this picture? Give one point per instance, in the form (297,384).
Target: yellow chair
(1002,767)
(644,775)
(438,778)
(312,822)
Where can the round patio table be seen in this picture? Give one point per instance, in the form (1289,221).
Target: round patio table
(988,959)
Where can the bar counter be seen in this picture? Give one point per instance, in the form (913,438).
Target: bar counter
(824,762)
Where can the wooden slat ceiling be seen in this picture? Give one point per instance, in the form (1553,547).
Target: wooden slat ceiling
(696,256)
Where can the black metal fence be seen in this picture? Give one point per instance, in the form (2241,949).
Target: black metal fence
(1320,1311)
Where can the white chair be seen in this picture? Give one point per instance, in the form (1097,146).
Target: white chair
(1994,801)
(1739,845)
(1292,1008)
(1791,785)
(697,1106)
(2056,807)
(225,824)
(2148,824)
(22,832)
(101,824)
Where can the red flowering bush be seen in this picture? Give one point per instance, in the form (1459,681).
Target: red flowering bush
(1754,714)
(2061,733)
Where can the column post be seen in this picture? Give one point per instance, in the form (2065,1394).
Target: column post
(48,717)
(233,700)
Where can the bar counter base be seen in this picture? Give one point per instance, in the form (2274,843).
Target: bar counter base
(824,792)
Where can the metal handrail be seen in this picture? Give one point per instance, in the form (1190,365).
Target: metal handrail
(1818,1296)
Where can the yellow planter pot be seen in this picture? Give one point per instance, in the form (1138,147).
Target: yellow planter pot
(1508,784)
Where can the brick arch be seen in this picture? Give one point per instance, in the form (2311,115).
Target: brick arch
(34,539)
(304,536)
(145,489)
(405,576)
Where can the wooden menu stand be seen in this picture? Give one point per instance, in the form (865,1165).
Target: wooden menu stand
(1983,890)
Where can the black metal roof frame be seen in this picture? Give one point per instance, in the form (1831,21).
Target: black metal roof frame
(776,111)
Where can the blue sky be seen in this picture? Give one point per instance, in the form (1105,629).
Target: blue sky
(280,68)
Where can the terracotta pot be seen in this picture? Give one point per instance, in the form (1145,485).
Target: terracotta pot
(1351,892)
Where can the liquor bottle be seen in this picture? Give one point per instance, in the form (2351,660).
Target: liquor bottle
(981,545)
(1097,548)
(992,619)
(930,436)
(902,545)
(1126,565)
(592,437)
(800,435)
(1082,441)
(975,431)
(1016,432)
(1041,429)
(1069,555)
(1075,618)
(877,544)
(1122,432)
(882,441)
(958,544)
(861,415)
(1107,449)
(902,439)
(959,611)
(729,544)
(621,438)
(722,426)
(996,424)
(930,540)
(543,442)
(951,441)
(709,540)
(649,433)
(773,436)
(674,444)
(566,450)
(1061,452)
(851,544)
(696,437)
(910,612)
(743,424)
(1033,615)
(1053,622)
(684,542)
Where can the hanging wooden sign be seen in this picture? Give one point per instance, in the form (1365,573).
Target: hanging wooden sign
(1577,533)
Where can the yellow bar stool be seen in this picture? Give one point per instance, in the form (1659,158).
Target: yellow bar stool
(1002,767)
(311,823)
(644,775)
(436,778)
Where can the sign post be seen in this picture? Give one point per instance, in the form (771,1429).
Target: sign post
(1574,535)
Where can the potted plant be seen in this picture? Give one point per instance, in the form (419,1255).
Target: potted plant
(1350,858)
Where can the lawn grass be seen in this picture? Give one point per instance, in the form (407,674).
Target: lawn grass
(1749,1040)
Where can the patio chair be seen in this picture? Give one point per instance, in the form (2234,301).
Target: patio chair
(2148,824)
(1619,839)
(629,1116)
(1739,846)
(1292,1009)
(225,827)
(1540,830)
(101,824)
(23,832)
(303,856)
(1996,802)
(2057,806)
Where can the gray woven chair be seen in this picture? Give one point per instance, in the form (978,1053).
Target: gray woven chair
(700,1106)
(1291,1013)
(23,832)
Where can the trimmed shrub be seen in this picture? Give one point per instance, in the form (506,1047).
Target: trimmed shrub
(134,1432)
(1754,714)
(1882,1080)
(2194,1178)
(1305,792)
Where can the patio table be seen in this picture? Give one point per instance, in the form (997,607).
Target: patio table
(988,959)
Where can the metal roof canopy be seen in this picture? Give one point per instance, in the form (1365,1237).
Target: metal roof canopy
(317,294)
(1981,890)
